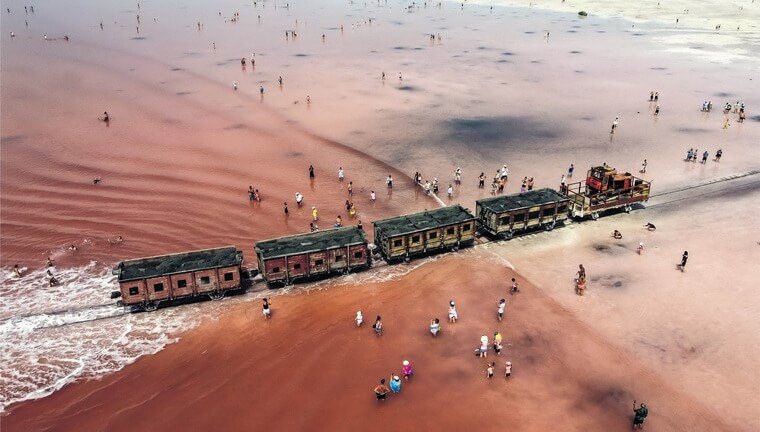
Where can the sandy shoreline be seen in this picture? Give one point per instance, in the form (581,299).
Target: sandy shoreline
(183,147)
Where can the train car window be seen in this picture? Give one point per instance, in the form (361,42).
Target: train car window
(276,270)
(296,266)
(205,280)
(450,231)
(466,227)
(416,239)
(182,283)
(358,254)
(319,262)
(229,276)
(519,217)
(134,291)
(533,215)
(158,287)
(504,220)
(433,235)
(397,243)
(338,258)
(562,209)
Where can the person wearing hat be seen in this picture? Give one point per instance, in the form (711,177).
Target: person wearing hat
(314,213)
(381,390)
(435,326)
(395,383)
(407,369)
(508,370)
(453,316)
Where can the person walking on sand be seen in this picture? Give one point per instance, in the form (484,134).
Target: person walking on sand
(684,258)
(17,271)
(497,343)
(435,326)
(483,350)
(581,271)
(250,193)
(489,370)
(378,326)
(704,157)
(514,289)
(718,155)
(639,415)
(395,383)
(285,208)
(266,309)
(314,213)
(615,124)
(234,85)
(482,180)
(340,174)
(453,316)
(450,191)
(501,305)
(407,369)
(570,170)
(644,167)
(372,196)
(640,249)
(657,110)
(299,199)
(389,182)
(381,390)
(311,171)
(508,370)
(359,318)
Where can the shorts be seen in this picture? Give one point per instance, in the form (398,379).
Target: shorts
(267,312)
(380,396)
(507,375)
(453,315)
(482,350)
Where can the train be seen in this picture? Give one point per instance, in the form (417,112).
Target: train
(147,283)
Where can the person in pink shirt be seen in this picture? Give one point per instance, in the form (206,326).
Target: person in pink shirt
(407,369)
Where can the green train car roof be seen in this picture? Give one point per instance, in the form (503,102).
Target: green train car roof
(506,203)
(425,220)
(310,242)
(149,267)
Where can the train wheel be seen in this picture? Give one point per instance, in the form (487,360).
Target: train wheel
(217,295)
(549,226)
(595,215)
(150,306)
(508,235)
(628,208)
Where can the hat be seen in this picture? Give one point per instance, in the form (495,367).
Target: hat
(502,300)
(509,363)
(396,378)
(313,207)
(406,362)
(451,303)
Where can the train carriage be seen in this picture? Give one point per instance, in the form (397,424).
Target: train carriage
(311,255)
(147,282)
(605,189)
(425,232)
(505,216)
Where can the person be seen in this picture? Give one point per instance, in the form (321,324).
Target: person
(639,415)
(359,318)
(261,90)
(704,157)
(117,240)
(650,226)
(497,343)
(450,191)
(640,249)
(657,110)
(266,309)
(340,174)
(279,80)
(580,285)
(16,270)
(395,383)
(72,248)
(381,390)
(501,305)
(313,227)
(372,196)
(378,326)
(52,281)
(285,208)
(105,117)
(427,188)
(311,171)
(570,170)
(435,326)
(562,183)
(453,316)
(483,350)
(234,85)
(352,210)
(615,124)
(482,180)
(514,289)
(684,258)
(718,155)
(508,370)
(458,176)
(250,193)
(96,180)
(383,76)
(350,188)
(389,182)
(617,235)
(656,96)
(49,262)
(644,166)
(435,186)
(407,369)
(360,226)
(581,271)
(256,195)
(489,370)
(338,222)
(651,96)
(299,199)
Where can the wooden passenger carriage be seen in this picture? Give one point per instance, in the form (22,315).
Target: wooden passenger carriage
(147,282)
(311,255)
(425,232)
(505,216)
(605,189)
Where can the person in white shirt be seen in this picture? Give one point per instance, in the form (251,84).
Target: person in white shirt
(359,318)
(299,199)
(372,196)
(453,316)
(340,173)
(435,326)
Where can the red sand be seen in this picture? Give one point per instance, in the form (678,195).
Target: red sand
(309,367)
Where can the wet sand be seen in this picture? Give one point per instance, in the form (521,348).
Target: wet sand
(311,367)
(182,148)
